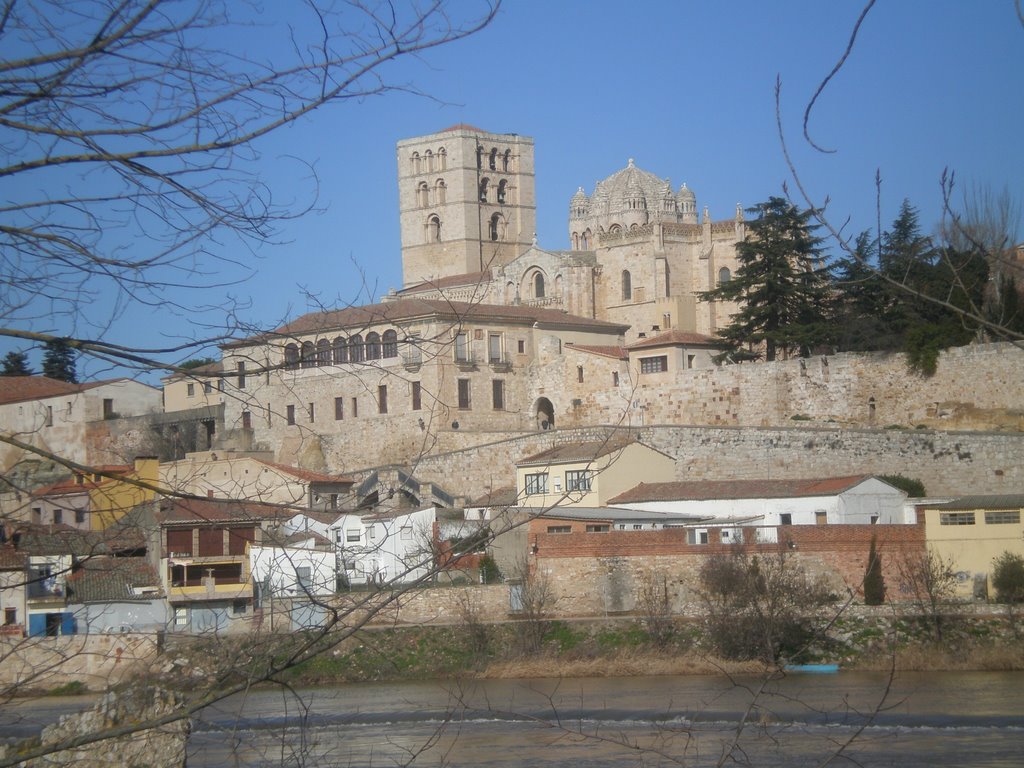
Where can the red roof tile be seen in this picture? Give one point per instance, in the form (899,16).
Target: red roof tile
(708,490)
(574,452)
(307,474)
(462,127)
(604,350)
(676,337)
(452,281)
(219,511)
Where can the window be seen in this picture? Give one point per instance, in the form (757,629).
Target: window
(49,415)
(108,407)
(389,346)
(422,195)
(690,360)
(538,286)
(956,518)
(371,532)
(464,394)
(1002,518)
(521,346)
(579,373)
(373,346)
(785,519)
(58,516)
(654,364)
(307,355)
(492,162)
(559,529)
(498,394)
(502,191)
(352,535)
(79,516)
(627,285)
(303,577)
(598,528)
(694,536)
(428,160)
(462,347)
(10,616)
(578,480)
(355,407)
(724,275)
(190,389)
(536,483)
(355,349)
(246,420)
(494,348)
(207,388)
(340,349)
(434,229)
(382,399)
(442,159)
(241,375)
(290,411)
(417,396)
(415,162)
(339,408)
(180,616)
(615,378)
(311,413)
(238,607)
(506,160)
(484,182)
(494,227)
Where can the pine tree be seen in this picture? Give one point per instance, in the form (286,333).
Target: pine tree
(874,582)
(781,285)
(15,364)
(59,361)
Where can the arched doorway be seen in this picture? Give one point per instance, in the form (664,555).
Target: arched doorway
(544,412)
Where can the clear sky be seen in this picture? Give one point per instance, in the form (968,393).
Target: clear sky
(685,88)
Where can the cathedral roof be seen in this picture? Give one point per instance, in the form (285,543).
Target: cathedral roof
(462,127)
(452,281)
(630,180)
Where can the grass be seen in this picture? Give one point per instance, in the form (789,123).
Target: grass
(72,688)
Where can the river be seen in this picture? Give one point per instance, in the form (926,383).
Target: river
(924,719)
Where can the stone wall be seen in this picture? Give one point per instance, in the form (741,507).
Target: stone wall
(94,660)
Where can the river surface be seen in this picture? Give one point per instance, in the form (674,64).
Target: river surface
(857,719)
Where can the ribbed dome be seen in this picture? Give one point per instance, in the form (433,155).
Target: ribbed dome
(685,193)
(632,183)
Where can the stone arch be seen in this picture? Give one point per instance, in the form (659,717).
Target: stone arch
(576,241)
(492,162)
(483,192)
(428,160)
(433,229)
(544,413)
(502,191)
(440,192)
(724,275)
(558,285)
(442,159)
(506,161)
(422,195)
(627,285)
(496,227)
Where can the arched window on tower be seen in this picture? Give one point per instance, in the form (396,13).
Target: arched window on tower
(308,359)
(323,352)
(440,192)
(415,159)
(495,227)
(538,286)
(422,195)
(355,349)
(724,275)
(434,229)
(575,241)
(291,356)
(442,159)
(627,285)
(389,345)
(614,229)
(585,241)
(340,351)
(493,162)
(484,182)
(373,346)
(428,161)
(502,185)
(506,160)
(479,156)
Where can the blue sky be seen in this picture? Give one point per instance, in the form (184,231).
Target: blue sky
(685,88)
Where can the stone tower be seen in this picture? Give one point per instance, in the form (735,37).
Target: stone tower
(466,202)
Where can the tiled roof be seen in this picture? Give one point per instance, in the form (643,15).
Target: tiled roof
(219,511)
(462,127)
(307,474)
(572,452)
(676,337)
(452,281)
(18,389)
(499,497)
(604,350)
(353,318)
(107,579)
(610,514)
(11,558)
(210,369)
(1004,501)
(65,540)
(71,484)
(709,490)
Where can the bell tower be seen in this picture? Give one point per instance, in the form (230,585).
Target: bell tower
(466,202)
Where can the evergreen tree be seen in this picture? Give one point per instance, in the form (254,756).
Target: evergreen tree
(781,285)
(59,361)
(863,302)
(874,582)
(15,364)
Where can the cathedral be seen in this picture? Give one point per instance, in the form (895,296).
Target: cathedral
(638,253)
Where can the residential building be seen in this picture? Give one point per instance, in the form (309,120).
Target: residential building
(386,548)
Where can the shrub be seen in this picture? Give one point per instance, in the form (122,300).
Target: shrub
(874,582)
(1008,577)
(909,485)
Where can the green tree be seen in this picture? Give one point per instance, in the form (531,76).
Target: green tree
(1008,577)
(59,361)
(874,582)
(781,285)
(15,364)
(909,485)
(197,362)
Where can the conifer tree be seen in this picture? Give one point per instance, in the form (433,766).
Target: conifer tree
(59,361)
(15,364)
(781,285)
(874,582)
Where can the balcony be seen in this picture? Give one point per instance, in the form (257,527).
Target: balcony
(45,589)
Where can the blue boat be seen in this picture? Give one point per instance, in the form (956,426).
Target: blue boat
(813,669)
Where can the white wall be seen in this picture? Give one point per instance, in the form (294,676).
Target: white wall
(280,564)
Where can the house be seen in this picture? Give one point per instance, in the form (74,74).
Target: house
(386,548)
(669,353)
(205,562)
(200,387)
(56,417)
(971,531)
(588,474)
(116,594)
(726,505)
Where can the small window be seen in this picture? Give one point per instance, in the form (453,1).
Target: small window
(538,286)
(339,408)
(10,616)
(434,229)
(462,347)
(494,227)
(537,484)
(694,536)
(190,389)
(79,516)
(290,414)
(615,378)
(108,404)
(956,518)
(579,374)
(785,519)
(389,344)
(724,275)
(464,402)
(207,388)
(578,480)
(559,529)
(355,407)
(494,348)
(502,191)
(521,346)
(303,577)
(627,285)
(382,399)
(49,415)
(238,607)
(417,396)
(311,413)
(654,364)
(498,394)
(492,162)
(58,516)
(180,616)
(352,535)
(246,420)
(1002,518)
(241,375)
(484,183)
(371,532)
(598,528)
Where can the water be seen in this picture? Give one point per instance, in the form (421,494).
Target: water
(967,719)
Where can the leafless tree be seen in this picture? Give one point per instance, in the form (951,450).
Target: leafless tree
(929,580)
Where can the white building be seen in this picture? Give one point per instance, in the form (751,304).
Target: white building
(383,548)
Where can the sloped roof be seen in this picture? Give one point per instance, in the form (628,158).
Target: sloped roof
(19,389)
(676,338)
(1002,501)
(70,485)
(307,474)
(498,497)
(65,540)
(575,452)
(108,579)
(631,179)
(710,490)
(604,350)
(610,514)
(210,369)
(451,281)
(354,318)
(462,127)
(173,511)
(11,558)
